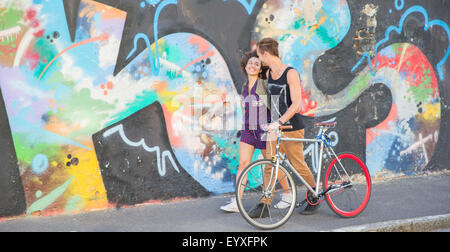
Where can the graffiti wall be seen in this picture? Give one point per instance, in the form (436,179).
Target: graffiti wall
(106,103)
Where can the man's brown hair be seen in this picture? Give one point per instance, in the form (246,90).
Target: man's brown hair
(269,45)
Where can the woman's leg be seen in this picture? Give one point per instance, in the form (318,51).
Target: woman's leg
(245,157)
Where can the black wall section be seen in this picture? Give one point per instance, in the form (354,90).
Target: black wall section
(132,154)
(12,195)
(71,9)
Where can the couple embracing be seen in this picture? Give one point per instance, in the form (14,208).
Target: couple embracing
(271,98)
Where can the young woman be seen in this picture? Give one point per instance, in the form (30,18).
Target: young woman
(256,108)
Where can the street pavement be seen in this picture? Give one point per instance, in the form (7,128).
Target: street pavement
(417,198)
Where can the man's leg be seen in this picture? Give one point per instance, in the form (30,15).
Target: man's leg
(294,152)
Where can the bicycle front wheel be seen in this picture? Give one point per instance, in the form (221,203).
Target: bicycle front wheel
(349,185)
(263,201)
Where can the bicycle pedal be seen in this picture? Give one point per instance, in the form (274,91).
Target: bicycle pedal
(300,204)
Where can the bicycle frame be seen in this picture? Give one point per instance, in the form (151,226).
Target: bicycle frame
(321,139)
(278,186)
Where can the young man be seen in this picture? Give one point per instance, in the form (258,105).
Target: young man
(285,91)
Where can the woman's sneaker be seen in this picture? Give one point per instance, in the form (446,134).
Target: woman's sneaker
(285,202)
(231,207)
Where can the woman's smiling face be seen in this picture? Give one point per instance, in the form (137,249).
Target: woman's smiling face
(253,66)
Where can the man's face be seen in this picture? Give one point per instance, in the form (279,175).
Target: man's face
(261,56)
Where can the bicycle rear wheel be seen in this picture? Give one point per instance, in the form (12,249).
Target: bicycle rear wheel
(252,189)
(349,184)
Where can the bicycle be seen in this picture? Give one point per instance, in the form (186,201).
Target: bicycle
(346,184)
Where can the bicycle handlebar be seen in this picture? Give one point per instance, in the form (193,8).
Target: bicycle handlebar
(286,127)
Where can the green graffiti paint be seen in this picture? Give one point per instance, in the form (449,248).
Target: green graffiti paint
(284,37)
(299,23)
(361,83)
(10,17)
(46,52)
(38,193)
(45,201)
(326,37)
(423,91)
(171,52)
(80,106)
(141,101)
(10,23)
(27,147)
(73,204)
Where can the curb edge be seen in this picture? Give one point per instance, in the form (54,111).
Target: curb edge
(420,224)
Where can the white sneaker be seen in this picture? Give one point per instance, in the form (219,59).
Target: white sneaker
(231,207)
(286,201)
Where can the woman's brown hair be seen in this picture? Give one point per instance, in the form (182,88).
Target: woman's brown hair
(244,61)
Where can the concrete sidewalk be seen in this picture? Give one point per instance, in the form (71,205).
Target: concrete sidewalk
(419,203)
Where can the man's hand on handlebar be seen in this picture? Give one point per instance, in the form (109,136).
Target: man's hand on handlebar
(277,125)
(273,127)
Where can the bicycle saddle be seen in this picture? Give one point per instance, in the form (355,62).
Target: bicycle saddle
(325,124)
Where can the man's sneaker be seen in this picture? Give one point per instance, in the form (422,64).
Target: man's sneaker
(285,202)
(310,209)
(257,212)
(231,207)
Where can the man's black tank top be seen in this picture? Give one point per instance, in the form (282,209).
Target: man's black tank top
(281,100)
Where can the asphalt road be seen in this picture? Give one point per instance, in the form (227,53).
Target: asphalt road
(398,199)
